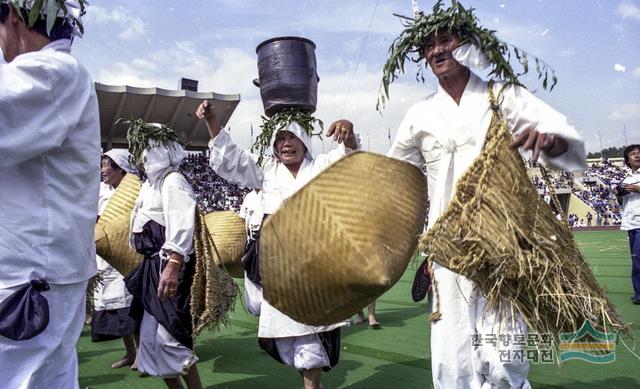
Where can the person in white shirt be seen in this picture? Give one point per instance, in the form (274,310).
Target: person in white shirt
(49,167)
(446,132)
(629,197)
(309,349)
(162,228)
(111,300)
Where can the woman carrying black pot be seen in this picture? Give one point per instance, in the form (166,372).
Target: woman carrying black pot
(309,349)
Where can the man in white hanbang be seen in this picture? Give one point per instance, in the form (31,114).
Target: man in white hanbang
(111,300)
(162,227)
(50,148)
(446,132)
(309,349)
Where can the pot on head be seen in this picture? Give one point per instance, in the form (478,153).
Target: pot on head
(288,75)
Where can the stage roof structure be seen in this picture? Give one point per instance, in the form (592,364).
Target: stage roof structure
(175,108)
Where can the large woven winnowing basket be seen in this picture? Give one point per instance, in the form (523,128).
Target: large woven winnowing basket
(112,229)
(227,231)
(343,239)
(498,232)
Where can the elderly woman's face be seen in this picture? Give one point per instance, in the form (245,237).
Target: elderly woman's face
(289,148)
(110,173)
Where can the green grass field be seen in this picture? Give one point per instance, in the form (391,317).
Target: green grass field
(395,357)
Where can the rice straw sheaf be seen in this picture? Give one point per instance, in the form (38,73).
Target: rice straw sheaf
(213,291)
(498,232)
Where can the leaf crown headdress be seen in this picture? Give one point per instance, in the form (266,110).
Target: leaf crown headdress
(49,10)
(142,135)
(409,45)
(280,121)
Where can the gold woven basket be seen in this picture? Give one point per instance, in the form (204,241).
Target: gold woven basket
(343,239)
(228,234)
(112,229)
(498,232)
(225,229)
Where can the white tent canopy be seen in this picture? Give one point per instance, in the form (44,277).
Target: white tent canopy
(175,108)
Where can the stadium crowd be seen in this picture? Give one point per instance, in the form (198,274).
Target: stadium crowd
(596,190)
(215,194)
(212,192)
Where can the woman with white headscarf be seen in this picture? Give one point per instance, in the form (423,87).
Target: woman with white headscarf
(309,349)
(162,227)
(111,300)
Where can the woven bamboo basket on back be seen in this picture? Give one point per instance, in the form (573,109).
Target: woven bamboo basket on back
(112,229)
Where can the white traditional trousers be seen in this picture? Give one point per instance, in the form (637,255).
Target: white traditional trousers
(456,361)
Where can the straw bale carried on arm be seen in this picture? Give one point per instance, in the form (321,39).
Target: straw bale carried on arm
(498,232)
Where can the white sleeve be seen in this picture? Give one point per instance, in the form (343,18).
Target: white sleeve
(404,146)
(524,110)
(232,163)
(37,107)
(326,159)
(179,208)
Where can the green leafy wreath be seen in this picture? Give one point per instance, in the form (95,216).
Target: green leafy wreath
(279,121)
(141,134)
(409,45)
(46,9)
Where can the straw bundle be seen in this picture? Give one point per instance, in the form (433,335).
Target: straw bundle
(112,229)
(343,239)
(498,232)
(213,291)
(228,232)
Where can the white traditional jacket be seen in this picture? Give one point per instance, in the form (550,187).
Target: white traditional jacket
(170,202)
(631,203)
(49,168)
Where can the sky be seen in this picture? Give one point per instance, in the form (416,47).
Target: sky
(594,47)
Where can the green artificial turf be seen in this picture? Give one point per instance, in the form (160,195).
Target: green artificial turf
(395,357)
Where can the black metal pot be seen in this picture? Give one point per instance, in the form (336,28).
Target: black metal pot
(287,74)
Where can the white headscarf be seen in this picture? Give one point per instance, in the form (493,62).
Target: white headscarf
(296,129)
(470,56)
(121,158)
(161,159)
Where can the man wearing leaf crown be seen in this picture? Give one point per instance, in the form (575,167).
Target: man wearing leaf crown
(445,133)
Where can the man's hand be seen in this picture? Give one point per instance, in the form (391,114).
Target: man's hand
(168,284)
(207,112)
(342,132)
(633,188)
(531,139)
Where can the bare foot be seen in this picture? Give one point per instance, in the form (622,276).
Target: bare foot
(134,365)
(125,361)
(359,319)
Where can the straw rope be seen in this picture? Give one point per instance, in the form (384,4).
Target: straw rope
(498,232)
(343,239)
